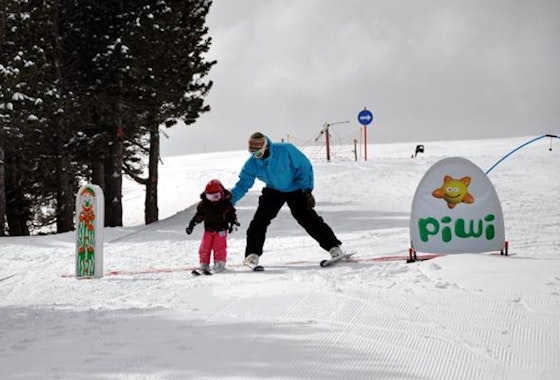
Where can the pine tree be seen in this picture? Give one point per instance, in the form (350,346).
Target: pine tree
(84,89)
(169,41)
(20,106)
(40,176)
(144,67)
(41,172)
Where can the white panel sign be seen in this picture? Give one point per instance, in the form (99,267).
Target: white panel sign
(90,211)
(456,210)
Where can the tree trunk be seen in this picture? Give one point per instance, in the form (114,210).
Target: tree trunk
(65,188)
(2,165)
(18,212)
(114,167)
(98,178)
(98,173)
(64,198)
(113,185)
(2,189)
(151,211)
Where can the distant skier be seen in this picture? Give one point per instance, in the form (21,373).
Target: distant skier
(219,217)
(288,175)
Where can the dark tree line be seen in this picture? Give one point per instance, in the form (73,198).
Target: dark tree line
(84,87)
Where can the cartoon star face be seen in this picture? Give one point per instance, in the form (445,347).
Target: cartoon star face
(454,191)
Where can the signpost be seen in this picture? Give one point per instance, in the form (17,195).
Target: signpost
(365,117)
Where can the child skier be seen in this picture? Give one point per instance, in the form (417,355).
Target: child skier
(219,217)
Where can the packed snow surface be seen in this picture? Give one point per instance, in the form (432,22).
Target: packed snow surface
(460,316)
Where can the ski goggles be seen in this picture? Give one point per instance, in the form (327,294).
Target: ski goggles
(258,151)
(213,197)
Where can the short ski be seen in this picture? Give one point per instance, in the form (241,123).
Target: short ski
(326,263)
(198,272)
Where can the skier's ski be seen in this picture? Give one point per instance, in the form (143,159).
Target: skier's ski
(198,272)
(326,263)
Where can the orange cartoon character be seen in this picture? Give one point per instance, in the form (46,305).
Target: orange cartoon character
(454,191)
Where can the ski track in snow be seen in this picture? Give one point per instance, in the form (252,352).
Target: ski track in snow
(453,317)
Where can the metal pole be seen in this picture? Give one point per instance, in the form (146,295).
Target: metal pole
(327,142)
(365,142)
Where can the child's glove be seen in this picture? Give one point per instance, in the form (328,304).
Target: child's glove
(189,228)
(231,226)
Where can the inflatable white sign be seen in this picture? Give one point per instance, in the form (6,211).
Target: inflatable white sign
(456,210)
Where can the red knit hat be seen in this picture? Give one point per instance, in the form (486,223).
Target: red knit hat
(214,186)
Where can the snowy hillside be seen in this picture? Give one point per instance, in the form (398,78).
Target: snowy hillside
(466,316)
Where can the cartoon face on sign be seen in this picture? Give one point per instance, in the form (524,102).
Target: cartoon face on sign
(87,199)
(454,191)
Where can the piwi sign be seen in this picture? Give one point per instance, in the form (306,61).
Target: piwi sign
(456,210)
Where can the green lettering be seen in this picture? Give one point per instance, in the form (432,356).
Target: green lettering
(490,230)
(462,233)
(427,227)
(446,235)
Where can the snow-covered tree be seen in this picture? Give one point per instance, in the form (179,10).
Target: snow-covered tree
(39,179)
(143,65)
(84,89)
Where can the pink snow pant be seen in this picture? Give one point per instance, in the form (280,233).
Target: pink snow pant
(213,241)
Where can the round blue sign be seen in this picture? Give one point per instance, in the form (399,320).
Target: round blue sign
(365,117)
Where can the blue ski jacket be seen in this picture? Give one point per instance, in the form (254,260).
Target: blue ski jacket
(286,169)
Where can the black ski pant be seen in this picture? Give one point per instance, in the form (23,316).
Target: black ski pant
(270,203)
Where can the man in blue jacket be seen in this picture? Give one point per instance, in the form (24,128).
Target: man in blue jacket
(288,176)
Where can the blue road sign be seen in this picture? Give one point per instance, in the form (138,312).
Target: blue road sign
(365,117)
